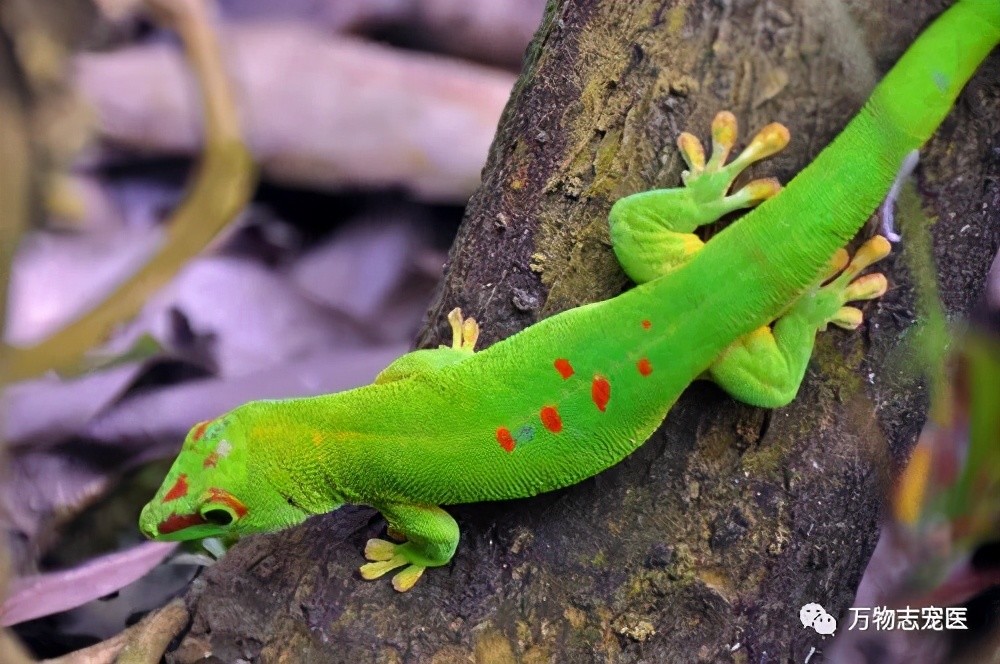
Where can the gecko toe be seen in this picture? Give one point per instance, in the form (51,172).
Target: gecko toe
(758,191)
(464,331)
(724,132)
(848,318)
(370,571)
(407,578)
(867,254)
(868,287)
(693,153)
(378,549)
(838,262)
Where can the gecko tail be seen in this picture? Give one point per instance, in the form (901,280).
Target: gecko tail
(915,96)
(828,202)
(866,162)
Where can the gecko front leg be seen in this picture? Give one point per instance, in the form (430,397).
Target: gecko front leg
(429,534)
(431,539)
(652,231)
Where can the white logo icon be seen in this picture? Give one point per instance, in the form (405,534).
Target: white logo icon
(815,616)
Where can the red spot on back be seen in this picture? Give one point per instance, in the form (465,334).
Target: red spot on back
(211,460)
(217,495)
(550,419)
(564,368)
(600,392)
(646,324)
(178,490)
(644,367)
(199,430)
(505,439)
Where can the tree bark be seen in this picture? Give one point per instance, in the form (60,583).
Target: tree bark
(704,544)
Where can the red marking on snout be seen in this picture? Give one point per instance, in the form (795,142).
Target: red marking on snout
(178,490)
(217,495)
(505,439)
(646,324)
(199,430)
(564,368)
(176,522)
(644,367)
(211,460)
(550,419)
(600,392)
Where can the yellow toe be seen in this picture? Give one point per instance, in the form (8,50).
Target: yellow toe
(692,151)
(407,578)
(848,318)
(724,130)
(867,287)
(378,549)
(374,570)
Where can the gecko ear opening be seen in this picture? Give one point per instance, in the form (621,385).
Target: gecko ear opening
(218,515)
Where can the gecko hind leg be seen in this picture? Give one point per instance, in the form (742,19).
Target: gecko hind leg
(431,539)
(652,231)
(766,367)
(464,335)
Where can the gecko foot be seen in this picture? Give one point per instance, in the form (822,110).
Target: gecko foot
(431,534)
(710,181)
(387,556)
(846,286)
(464,332)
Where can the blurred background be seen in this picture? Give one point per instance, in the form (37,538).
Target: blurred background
(369,123)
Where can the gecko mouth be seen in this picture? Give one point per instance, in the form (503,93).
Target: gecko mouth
(176,522)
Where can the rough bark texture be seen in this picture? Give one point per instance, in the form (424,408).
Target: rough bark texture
(703,544)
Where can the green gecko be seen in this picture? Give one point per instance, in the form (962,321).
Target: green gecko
(575,393)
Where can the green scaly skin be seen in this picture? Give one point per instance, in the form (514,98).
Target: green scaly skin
(574,394)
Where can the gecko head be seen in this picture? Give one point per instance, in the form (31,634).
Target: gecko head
(214,490)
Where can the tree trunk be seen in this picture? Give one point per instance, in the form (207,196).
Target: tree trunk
(704,544)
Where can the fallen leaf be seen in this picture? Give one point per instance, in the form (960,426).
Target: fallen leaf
(44,411)
(364,265)
(257,317)
(56,277)
(320,111)
(484,30)
(54,592)
(43,488)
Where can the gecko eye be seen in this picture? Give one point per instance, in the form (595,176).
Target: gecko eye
(220,516)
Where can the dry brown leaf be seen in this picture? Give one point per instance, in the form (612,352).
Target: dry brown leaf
(369,270)
(485,30)
(319,111)
(494,31)
(55,592)
(257,318)
(46,410)
(57,276)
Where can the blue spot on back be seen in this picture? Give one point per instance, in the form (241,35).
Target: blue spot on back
(525,434)
(941,81)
